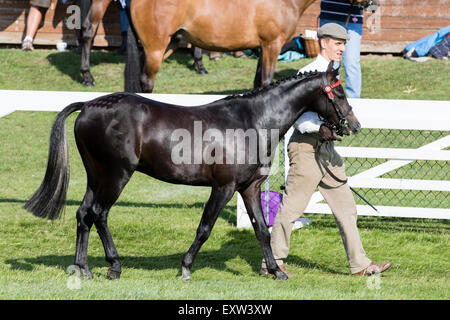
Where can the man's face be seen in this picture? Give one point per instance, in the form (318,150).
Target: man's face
(333,48)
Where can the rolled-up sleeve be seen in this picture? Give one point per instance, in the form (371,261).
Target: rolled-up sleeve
(308,122)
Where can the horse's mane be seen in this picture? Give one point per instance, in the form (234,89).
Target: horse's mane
(257,91)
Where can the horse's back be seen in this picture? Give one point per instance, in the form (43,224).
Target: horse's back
(217,24)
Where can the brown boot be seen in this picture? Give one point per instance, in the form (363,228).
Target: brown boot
(373,268)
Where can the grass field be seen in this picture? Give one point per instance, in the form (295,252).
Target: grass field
(154,223)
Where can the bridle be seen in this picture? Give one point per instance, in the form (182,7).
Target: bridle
(328,89)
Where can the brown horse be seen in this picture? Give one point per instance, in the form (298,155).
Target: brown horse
(215,25)
(89,29)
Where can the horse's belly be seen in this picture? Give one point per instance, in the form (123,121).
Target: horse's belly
(223,42)
(189,175)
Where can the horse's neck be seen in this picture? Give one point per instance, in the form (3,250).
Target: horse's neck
(286,105)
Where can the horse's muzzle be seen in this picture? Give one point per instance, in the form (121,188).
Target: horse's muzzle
(354,126)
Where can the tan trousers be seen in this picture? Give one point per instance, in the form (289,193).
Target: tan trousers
(305,174)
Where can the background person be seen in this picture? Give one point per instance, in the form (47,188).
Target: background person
(311,142)
(344,13)
(38,8)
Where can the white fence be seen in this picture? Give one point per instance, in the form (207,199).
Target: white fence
(372,113)
(390,114)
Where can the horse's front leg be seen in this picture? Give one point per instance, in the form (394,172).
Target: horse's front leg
(218,199)
(89,29)
(266,64)
(252,201)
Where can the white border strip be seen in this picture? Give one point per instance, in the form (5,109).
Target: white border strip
(391,153)
(372,113)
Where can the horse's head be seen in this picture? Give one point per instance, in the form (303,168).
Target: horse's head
(333,105)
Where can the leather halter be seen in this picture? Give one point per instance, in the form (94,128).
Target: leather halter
(328,89)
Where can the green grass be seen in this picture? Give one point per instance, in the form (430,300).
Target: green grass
(383,77)
(153,223)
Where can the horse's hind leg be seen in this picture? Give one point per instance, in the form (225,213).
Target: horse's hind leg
(252,201)
(218,199)
(84,224)
(97,202)
(107,193)
(107,176)
(198,64)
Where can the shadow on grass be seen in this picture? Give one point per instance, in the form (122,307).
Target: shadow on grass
(227,214)
(243,244)
(387,224)
(68,62)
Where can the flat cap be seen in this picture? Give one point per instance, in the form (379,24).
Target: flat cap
(333,30)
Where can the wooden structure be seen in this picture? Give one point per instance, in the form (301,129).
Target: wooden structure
(53,28)
(396,23)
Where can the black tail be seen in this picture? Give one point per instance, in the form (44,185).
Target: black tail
(48,200)
(132,66)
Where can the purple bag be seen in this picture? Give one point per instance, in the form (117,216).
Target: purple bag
(275,199)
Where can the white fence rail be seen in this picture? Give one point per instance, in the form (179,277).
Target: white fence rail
(372,113)
(389,114)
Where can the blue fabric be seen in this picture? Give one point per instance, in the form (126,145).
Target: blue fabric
(290,56)
(422,46)
(123,16)
(442,49)
(351,58)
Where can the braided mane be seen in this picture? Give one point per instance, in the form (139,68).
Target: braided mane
(256,91)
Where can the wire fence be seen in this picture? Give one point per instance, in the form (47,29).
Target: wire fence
(438,170)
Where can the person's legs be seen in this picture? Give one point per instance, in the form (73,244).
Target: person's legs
(351,61)
(33,21)
(342,204)
(37,11)
(303,178)
(124,25)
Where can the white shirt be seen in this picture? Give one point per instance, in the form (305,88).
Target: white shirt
(310,121)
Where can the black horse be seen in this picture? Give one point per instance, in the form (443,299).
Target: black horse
(120,133)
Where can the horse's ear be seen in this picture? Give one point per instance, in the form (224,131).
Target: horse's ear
(333,70)
(330,66)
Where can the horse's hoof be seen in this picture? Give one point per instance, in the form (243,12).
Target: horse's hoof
(202,71)
(280,275)
(113,275)
(185,274)
(89,84)
(86,274)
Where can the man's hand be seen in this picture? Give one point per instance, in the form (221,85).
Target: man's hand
(328,134)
